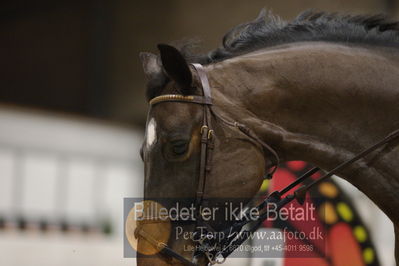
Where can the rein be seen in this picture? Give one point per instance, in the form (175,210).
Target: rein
(228,244)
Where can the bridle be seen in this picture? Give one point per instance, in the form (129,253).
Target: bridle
(231,241)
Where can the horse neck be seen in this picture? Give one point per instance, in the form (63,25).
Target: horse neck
(321,103)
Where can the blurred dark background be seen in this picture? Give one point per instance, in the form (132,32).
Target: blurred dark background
(81,57)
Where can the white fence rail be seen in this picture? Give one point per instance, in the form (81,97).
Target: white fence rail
(66,174)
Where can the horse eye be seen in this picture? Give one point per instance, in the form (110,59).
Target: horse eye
(179,147)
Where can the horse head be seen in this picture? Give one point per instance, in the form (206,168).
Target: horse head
(175,158)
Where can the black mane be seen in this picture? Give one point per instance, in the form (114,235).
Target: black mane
(269,30)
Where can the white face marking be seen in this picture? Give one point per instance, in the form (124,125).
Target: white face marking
(151,133)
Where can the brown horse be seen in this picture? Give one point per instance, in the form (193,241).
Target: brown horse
(319,88)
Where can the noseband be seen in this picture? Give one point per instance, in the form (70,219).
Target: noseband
(207,145)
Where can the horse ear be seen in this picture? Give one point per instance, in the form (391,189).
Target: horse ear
(151,66)
(176,67)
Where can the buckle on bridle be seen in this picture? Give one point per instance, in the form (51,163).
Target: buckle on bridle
(210,134)
(204,127)
(210,131)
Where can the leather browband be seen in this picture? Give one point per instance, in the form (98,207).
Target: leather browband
(181,98)
(206,99)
